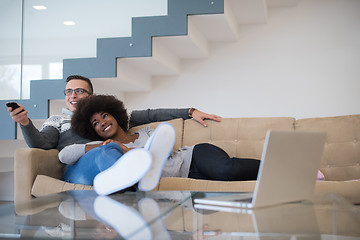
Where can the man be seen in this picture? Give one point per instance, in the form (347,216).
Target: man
(56,130)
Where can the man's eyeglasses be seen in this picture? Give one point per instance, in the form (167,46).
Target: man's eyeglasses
(78,91)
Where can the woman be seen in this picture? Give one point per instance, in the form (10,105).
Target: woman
(104,118)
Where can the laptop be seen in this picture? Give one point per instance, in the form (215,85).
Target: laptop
(287,173)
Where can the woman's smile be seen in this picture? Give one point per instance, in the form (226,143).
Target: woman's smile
(107,128)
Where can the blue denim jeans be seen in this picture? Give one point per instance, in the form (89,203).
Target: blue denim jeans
(93,162)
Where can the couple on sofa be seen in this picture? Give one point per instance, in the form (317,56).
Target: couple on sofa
(116,160)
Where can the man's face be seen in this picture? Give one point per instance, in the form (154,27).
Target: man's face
(72,99)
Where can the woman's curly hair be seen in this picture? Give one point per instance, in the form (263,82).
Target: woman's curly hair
(86,107)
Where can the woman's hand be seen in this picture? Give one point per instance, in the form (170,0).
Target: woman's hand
(123,147)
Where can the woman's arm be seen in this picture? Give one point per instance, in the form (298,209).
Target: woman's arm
(72,153)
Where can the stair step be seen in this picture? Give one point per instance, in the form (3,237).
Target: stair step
(157,47)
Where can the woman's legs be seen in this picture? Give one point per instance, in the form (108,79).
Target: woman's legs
(213,163)
(92,163)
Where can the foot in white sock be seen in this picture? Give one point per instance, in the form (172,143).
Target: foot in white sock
(160,145)
(150,211)
(125,220)
(127,171)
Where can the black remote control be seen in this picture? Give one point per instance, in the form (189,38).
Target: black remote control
(13,105)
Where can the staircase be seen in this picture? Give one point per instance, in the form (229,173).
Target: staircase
(157,47)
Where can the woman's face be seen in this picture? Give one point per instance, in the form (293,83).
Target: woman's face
(104,124)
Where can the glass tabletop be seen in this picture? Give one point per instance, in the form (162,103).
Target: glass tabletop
(326,216)
(173,215)
(85,215)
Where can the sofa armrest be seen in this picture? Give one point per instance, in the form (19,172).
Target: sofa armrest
(30,162)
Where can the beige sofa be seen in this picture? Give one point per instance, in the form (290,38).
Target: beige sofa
(39,172)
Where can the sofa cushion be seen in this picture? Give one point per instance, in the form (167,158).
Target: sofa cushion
(239,137)
(341,158)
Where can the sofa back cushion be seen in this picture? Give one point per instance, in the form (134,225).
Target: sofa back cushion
(341,157)
(239,137)
(178,125)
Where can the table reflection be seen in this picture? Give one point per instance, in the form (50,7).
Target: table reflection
(173,215)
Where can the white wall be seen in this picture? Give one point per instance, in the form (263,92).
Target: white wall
(305,62)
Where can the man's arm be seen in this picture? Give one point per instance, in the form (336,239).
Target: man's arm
(46,139)
(140,117)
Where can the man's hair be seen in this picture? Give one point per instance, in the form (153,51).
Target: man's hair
(79,77)
(86,108)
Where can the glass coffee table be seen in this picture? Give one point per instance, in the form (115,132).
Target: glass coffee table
(173,215)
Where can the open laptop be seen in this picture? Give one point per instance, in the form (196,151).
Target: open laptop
(287,173)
